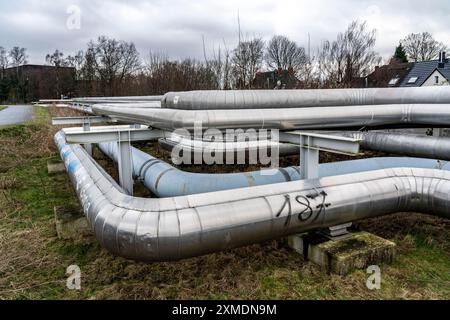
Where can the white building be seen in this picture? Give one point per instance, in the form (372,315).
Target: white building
(428,73)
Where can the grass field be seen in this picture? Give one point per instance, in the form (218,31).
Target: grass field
(3,108)
(33,260)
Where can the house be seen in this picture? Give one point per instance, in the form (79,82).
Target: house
(33,82)
(410,74)
(277,79)
(428,73)
(390,75)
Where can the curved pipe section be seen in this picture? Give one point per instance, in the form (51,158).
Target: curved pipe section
(182,227)
(227,147)
(163,180)
(434,115)
(408,144)
(263,99)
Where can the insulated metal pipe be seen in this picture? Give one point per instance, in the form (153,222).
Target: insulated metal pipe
(263,99)
(125,99)
(182,227)
(406,144)
(164,180)
(403,143)
(227,146)
(285,119)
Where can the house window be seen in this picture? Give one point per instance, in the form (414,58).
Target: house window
(412,80)
(436,79)
(393,81)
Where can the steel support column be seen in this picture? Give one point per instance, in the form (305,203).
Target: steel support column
(125,163)
(123,135)
(309,159)
(87,146)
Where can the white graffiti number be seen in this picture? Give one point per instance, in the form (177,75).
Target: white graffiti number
(374,280)
(74,279)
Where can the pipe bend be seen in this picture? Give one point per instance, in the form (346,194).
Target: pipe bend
(181,227)
(167,181)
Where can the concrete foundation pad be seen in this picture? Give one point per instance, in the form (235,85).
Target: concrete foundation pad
(71,224)
(358,251)
(54,167)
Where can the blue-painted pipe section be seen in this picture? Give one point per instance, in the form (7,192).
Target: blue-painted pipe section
(166,181)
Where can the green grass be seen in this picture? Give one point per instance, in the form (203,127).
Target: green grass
(3,107)
(422,273)
(34,261)
(41,116)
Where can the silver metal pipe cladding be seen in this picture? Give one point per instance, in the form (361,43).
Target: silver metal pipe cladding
(187,226)
(268,99)
(320,118)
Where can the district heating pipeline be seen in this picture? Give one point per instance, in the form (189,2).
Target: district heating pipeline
(180,227)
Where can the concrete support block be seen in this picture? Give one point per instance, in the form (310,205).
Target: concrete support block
(54,167)
(358,251)
(71,224)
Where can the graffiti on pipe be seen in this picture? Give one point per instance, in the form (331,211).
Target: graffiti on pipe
(308,211)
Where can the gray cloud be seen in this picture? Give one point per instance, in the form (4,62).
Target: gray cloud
(177,26)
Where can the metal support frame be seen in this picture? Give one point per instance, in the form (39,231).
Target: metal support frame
(309,159)
(111,133)
(338,232)
(125,163)
(87,146)
(124,135)
(57,121)
(85,121)
(438,132)
(310,144)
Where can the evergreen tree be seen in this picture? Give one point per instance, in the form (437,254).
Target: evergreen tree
(400,54)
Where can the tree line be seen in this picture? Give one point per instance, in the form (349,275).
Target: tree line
(114,67)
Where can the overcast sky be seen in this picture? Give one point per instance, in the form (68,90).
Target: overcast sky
(176,26)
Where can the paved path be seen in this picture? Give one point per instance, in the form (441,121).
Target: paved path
(15,114)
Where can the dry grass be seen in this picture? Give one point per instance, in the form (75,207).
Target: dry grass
(33,261)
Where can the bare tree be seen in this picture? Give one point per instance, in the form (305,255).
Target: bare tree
(422,46)
(75,61)
(226,70)
(350,56)
(219,64)
(164,75)
(4,59)
(282,53)
(18,56)
(55,59)
(130,61)
(156,67)
(247,60)
(308,74)
(87,75)
(114,61)
(155,61)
